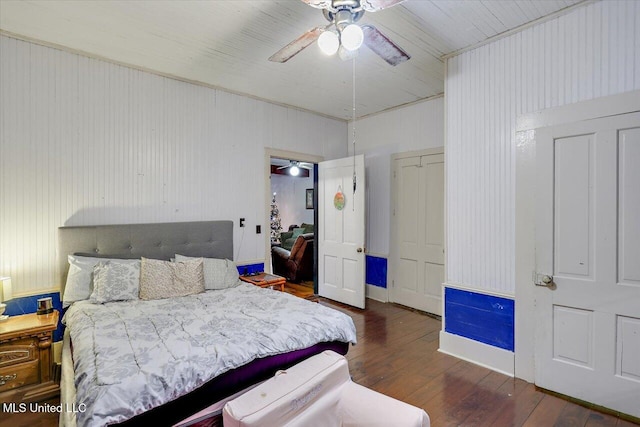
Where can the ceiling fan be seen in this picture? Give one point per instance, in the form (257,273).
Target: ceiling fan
(347,36)
(294,167)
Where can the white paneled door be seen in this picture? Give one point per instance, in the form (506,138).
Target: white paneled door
(418,232)
(341,230)
(588,246)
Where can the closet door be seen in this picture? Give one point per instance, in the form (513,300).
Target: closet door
(418,232)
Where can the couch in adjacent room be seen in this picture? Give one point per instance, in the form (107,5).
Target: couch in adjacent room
(297,264)
(288,238)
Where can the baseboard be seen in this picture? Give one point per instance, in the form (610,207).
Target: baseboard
(377,293)
(488,356)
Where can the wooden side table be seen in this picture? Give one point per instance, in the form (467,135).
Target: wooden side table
(26,358)
(265,280)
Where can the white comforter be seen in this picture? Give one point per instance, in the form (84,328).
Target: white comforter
(132,356)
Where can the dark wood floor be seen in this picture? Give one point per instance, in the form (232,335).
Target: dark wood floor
(301,290)
(397,355)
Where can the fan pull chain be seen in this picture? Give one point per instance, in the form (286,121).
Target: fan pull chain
(354,131)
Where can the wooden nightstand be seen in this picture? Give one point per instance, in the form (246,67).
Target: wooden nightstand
(26,358)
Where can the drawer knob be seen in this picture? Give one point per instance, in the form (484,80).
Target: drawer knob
(6,378)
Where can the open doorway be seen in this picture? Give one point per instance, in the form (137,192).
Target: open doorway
(291,250)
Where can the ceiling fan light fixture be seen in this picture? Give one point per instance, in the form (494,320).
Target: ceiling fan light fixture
(294,170)
(352,37)
(328,42)
(347,55)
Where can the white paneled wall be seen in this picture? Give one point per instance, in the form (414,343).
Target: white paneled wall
(83,141)
(291,198)
(413,127)
(591,52)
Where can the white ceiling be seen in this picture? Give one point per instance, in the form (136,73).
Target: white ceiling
(226,43)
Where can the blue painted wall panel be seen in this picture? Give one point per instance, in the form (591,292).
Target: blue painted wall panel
(251,268)
(376,271)
(480,317)
(29,304)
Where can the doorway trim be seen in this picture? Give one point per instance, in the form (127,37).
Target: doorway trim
(289,155)
(525,262)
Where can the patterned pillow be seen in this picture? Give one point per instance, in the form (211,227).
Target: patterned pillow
(218,273)
(166,279)
(80,277)
(232,278)
(115,282)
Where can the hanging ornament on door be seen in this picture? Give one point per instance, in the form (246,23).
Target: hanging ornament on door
(338,199)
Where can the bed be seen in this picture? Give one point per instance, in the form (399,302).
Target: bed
(138,362)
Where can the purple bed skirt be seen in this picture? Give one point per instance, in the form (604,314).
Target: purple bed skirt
(229,383)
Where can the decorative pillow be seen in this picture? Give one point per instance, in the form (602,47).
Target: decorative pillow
(297,232)
(218,273)
(166,279)
(232,278)
(80,277)
(114,281)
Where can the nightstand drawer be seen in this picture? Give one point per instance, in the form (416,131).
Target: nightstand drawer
(19,375)
(18,351)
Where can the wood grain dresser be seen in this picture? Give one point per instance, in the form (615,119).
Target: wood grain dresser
(26,358)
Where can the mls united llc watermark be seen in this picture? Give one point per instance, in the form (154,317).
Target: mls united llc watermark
(13,407)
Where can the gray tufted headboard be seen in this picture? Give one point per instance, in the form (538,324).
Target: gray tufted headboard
(211,239)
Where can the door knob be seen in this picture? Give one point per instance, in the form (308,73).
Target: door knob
(359,250)
(545,280)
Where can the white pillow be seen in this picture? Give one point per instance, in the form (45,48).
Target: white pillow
(218,273)
(232,278)
(80,277)
(115,281)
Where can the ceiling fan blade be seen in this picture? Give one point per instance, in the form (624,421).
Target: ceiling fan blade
(376,5)
(319,4)
(383,46)
(296,46)
(308,166)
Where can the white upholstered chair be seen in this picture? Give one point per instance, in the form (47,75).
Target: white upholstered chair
(319,392)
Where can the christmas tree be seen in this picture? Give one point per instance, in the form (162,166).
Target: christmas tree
(276,224)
